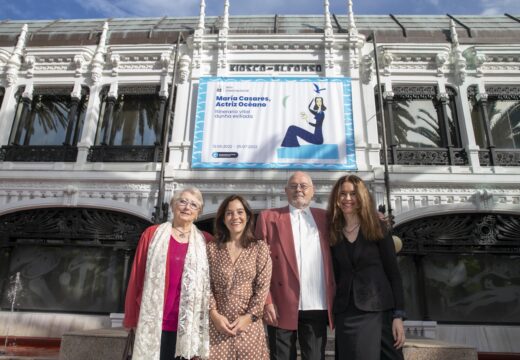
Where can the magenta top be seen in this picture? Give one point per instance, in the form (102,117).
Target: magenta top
(176,255)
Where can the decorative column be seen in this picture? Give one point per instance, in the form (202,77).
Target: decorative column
(223,42)
(482,101)
(92,112)
(443,98)
(355,43)
(197,42)
(163,100)
(15,61)
(28,121)
(328,42)
(388,106)
(98,61)
(26,107)
(458,60)
(89,127)
(107,119)
(77,128)
(72,118)
(179,148)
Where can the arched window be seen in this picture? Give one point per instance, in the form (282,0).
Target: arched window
(68,259)
(462,268)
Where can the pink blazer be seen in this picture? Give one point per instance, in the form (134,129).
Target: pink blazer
(274,225)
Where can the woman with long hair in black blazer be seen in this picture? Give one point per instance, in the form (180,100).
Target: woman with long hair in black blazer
(368,282)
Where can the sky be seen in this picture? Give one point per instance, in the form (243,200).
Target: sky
(90,9)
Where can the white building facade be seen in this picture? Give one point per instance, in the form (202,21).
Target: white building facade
(87,115)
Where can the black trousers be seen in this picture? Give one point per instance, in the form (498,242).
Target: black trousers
(168,344)
(311,334)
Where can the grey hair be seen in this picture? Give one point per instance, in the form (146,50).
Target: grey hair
(300,172)
(191,190)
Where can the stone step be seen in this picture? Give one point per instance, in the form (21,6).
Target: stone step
(108,344)
(17,357)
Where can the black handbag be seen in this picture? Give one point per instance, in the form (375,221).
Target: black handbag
(129,346)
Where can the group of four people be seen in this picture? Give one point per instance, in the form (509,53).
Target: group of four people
(192,295)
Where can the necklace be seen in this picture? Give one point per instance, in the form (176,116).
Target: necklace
(182,234)
(346,230)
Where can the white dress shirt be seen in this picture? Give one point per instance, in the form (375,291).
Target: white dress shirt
(309,259)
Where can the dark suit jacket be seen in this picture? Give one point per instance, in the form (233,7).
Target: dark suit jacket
(274,225)
(373,276)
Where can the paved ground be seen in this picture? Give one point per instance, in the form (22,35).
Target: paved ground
(28,353)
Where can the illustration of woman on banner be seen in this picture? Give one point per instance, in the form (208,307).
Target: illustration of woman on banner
(295,132)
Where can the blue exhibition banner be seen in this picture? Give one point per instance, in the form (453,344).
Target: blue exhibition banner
(274,123)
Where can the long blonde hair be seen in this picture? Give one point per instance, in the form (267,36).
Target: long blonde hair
(370,225)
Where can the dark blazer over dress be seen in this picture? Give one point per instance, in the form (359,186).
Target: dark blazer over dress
(373,275)
(368,284)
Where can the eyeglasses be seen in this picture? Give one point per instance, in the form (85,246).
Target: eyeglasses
(186,203)
(303,186)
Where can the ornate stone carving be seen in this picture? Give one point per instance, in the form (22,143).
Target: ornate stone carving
(386,61)
(461,233)
(184,68)
(29,62)
(440,61)
(164,61)
(458,60)
(15,61)
(366,68)
(78,62)
(437,156)
(503,92)
(28,91)
(115,61)
(443,97)
(98,60)
(327,28)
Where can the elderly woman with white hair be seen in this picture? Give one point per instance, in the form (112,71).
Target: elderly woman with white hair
(168,293)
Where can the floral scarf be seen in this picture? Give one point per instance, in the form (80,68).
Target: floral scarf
(193,328)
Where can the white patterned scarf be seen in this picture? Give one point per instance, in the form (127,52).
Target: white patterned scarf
(193,328)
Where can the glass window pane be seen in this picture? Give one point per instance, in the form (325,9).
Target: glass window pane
(136,120)
(66,279)
(45,120)
(411,291)
(478,126)
(79,120)
(416,123)
(101,121)
(473,288)
(16,137)
(504,120)
(451,111)
(48,120)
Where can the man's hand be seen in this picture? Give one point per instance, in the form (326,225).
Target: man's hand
(221,323)
(270,315)
(398,332)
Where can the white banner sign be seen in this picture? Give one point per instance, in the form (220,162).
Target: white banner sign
(296,123)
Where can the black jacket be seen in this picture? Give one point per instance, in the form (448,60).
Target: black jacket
(373,276)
